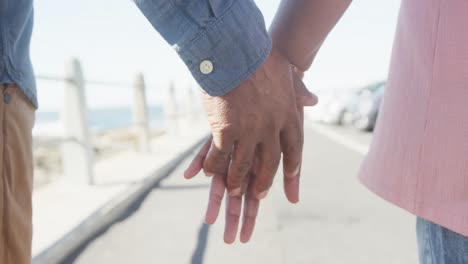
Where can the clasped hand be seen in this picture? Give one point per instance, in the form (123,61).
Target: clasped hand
(251,127)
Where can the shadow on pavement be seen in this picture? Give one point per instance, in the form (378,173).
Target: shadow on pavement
(199,253)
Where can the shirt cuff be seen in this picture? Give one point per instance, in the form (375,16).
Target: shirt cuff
(223,54)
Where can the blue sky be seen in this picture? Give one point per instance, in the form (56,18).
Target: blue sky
(114,41)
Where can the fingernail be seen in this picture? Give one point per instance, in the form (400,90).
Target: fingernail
(208,221)
(262,195)
(244,240)
(235,192)
(209,174)
(295,201)
(297,171)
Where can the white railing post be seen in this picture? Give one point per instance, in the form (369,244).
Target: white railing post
(193,103)
(77,155)
(172,111)
(140,114)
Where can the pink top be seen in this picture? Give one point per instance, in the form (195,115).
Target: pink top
(418,159)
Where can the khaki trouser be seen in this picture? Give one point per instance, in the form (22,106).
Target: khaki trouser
(16,182)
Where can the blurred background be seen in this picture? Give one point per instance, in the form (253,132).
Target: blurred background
(120,117)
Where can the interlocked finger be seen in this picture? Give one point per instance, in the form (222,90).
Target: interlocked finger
(197,163)
(269,155)
(241,161)
(233,212)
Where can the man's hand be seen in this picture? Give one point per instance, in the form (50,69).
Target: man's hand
(251,202)
(258,116)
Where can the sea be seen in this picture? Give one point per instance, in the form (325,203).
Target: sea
(48,122)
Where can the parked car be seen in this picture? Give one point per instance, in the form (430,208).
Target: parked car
(367,109)
(351,107)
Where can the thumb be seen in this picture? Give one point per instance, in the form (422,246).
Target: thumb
(303,96)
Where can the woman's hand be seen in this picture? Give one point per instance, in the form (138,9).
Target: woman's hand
(233,204)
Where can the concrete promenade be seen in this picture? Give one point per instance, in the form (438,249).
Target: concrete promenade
(66,213)
(337,221)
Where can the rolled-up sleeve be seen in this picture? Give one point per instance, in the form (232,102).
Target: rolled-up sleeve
(222,42)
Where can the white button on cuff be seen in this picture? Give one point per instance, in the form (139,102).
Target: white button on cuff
(206,67)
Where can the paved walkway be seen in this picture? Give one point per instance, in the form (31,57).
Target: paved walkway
(65,214)
(337,221)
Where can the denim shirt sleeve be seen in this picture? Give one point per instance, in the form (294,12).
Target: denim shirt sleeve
(230,34)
